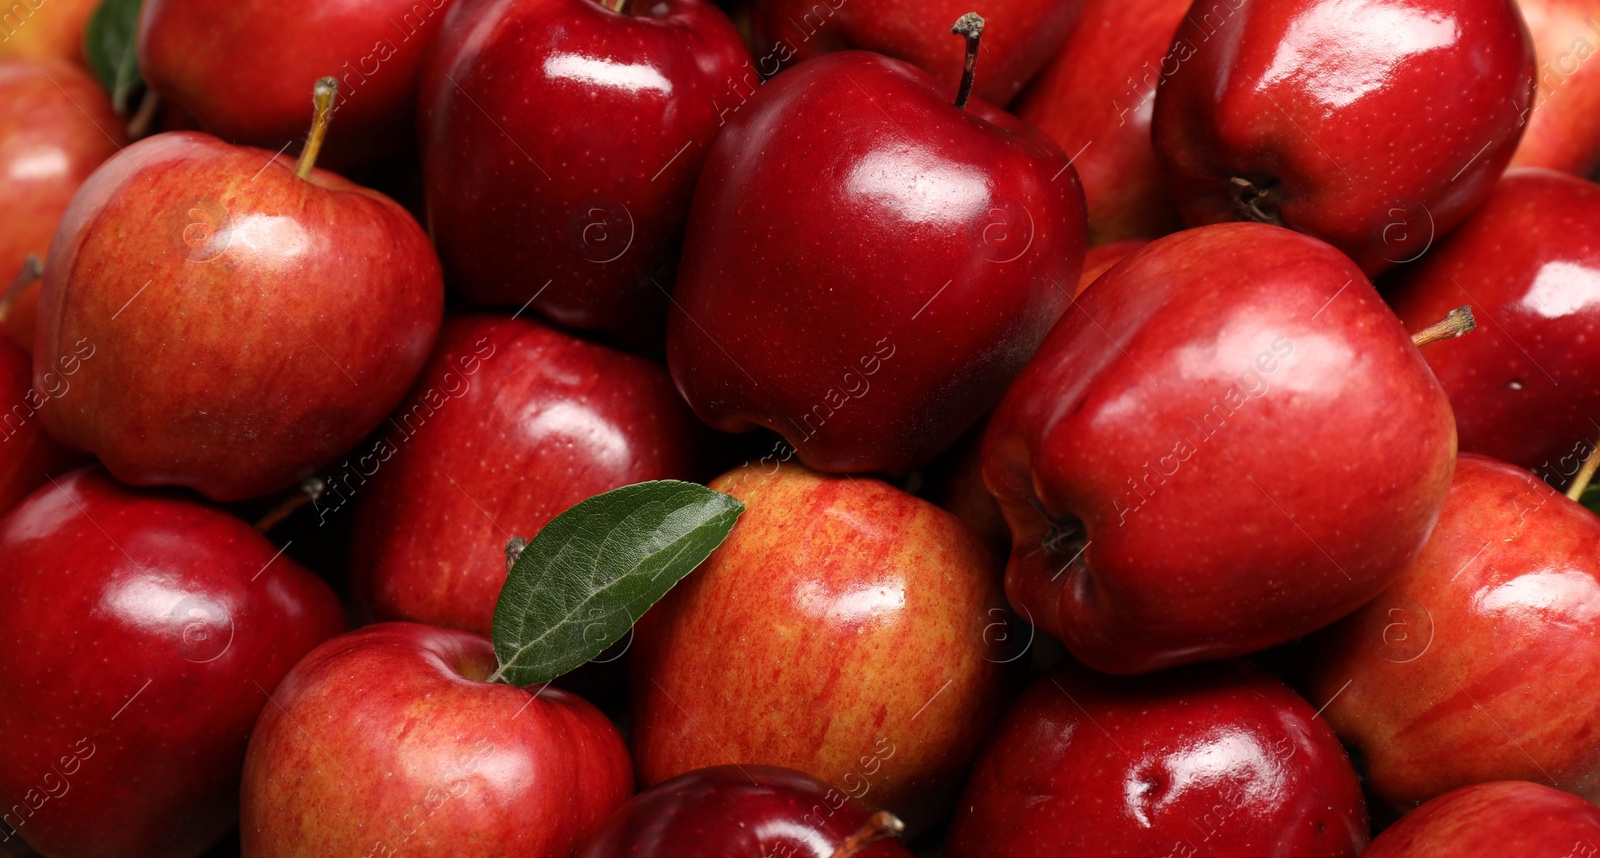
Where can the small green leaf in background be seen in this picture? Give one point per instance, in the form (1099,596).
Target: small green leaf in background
(594,569)
(1591,496)
(108,45)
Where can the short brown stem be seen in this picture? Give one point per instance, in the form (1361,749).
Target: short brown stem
(969,27)
(1585,473)
(623,7)
(32,269)
(139,125)
(310,489)
(322,95)
(1459,321)
(881,826)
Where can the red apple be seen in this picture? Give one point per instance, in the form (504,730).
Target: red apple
(1217,759)
(249,325)
(1564,126)
(1227,443)
(1478,663)
(844,629)
(1494,819)
(1100,259)
(742,811)
(510,423)
(243,68)
(1526,261)
(27,455)
(388,741)
(1096,98)
(578,206)
(143,634)
(868,265)
(58,127)
(1325,116)
(44,30)
(956,484)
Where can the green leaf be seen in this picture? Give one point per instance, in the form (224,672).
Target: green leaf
(1591,496)
(593,570)
(108,44)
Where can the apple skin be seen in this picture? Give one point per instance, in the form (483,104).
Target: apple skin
(814,637)
(1564,128)
(1100,259)
(1096,99)
(387,741)
(1489,820)
(58,127)
(1214,759)
(584,219)
(245,69)
(1521,384)
(1332,110)
(249,325)
(1478,663)
(27,455)
(736,810)
(961,248)
(510,423)
(45,30)
(1169,451)
(1019,38)
(143,633)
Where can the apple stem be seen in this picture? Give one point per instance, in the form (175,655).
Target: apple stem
(32,269)
(1585,474)
(514,550)
(970,27)
(622,7)
(139,124)
(1457,322)
(322,97)
(881,826)
(310,489)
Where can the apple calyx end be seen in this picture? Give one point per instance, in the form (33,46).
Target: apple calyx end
(969,27)
(882,825)
(1257,200)
(322,95)
(1455,323)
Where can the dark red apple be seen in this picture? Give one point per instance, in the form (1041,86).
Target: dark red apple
(249,324)
(868,265)
(1564,126)
(1522,385)
(242,68)
(143,634)
(743,810)
(1227,443)
(1021,38)
(510,423)
(1326,116)
(45,30)
(1494,819)
(1478,663)
(1096,98)
(1217,759)
(1100,259)
(576,205)
(58,126)
(845,629)
(27,455)
(389,741)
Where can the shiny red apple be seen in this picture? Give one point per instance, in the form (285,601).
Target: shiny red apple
(1494,819)
(1327,116)
(1522,385)
(1100,259)
(1217,759)
(1227,443)
(249,324)
(510,423)
(144,633)
(28,457)
(1564,125)
(575,206)
(389,741)
(45,30)
(868,265)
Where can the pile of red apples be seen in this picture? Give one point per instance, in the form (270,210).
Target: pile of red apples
(1162,430)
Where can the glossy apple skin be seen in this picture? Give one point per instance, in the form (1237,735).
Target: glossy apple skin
(1526,261)
(1163,462)
(814,636)
(387,741)
(1096,98)
(245,69)
(1489,820)
(27,455)
(143,632)
(1100,259)
(583,218)
(58,127)
(863,290)
(1564,128)
(45,30)
(249,325)
(1215,759)
(510,423)
(736,810)
(1019,37)
(1335,105)
(1478,663)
